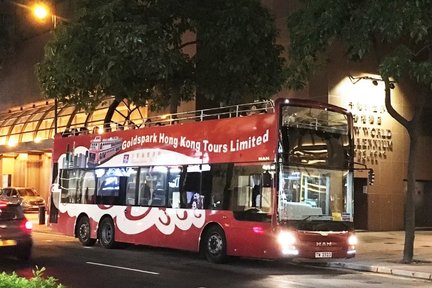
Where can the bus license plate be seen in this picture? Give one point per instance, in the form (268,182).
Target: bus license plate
(7,243)
(323,254)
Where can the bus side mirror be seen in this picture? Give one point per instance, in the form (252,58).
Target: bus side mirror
(371,176)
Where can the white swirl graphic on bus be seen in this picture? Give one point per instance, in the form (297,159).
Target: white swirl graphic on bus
(135,220)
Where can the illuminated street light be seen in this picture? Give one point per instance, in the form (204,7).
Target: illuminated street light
(41,12)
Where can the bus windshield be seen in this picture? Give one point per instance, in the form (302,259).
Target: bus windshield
(315,166)
(315,137)
(311,193)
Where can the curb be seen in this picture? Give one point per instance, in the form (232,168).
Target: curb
(381,270)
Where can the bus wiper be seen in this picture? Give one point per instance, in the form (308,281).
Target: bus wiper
(316,215)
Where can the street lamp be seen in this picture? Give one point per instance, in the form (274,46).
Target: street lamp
(41,11)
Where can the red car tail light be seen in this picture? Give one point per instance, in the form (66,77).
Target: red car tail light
(26,226)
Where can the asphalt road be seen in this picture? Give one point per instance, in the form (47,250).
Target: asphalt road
(138,266)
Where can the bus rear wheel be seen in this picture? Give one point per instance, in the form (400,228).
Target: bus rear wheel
(83,231)
(106,233)
(215,245)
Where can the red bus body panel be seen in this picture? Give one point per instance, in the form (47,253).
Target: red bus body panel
(212,141)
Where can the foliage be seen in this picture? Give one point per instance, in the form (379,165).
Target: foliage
(402,42)
(396,33)
(138,50)
(38,281)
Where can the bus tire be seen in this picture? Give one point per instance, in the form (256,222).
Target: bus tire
(215,245)
(83,232)
(106,233)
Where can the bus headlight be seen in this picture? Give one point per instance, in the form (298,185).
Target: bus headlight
(286,238)
(352,240)
(286,241)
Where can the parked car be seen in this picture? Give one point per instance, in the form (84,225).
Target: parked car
(15,231)
(29,198)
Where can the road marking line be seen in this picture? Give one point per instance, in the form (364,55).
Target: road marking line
(123,268)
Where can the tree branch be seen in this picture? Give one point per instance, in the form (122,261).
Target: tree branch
(188,43)
(390,109)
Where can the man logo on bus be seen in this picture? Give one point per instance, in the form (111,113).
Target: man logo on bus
(324,244)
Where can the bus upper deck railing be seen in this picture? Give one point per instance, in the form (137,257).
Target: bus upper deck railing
(231,111)
(212,113)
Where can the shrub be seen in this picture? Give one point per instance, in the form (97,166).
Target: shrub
(37,281)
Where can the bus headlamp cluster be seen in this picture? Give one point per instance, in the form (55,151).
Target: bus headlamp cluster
(287,240)
(352,240)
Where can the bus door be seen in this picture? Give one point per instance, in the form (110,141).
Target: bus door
(261,191)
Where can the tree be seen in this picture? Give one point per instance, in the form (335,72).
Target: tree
(137,50)
(401,43)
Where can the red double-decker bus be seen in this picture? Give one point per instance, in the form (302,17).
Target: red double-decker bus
(265,180)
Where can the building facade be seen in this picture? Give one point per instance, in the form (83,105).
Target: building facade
(381,143)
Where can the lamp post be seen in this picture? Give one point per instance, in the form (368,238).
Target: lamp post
(41,12)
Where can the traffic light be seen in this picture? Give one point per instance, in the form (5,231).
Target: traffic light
(371,176)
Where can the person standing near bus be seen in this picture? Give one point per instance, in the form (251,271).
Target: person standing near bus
(256,196)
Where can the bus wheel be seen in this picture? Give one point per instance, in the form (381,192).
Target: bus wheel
(215,245)
(83,229)
(106,233)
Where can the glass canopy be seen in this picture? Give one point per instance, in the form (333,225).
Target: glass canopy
(31,126)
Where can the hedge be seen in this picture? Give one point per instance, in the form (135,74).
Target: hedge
(37,281)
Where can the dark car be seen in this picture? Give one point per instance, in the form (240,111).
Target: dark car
(15,231)
(28,197)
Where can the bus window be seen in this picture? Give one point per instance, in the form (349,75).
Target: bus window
(196,186)
(250,194)
(174,187)
(88,187)
(108,184)
(192,186)
(111,185)
(152,186)
(77,186)
(218,184)
(145,181)
(65,179)
(131,186)
(158,188)
(249,187)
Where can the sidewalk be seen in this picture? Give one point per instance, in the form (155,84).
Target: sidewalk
(382,252)
(379,252)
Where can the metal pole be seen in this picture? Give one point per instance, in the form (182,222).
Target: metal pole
(55,115)
(54,24)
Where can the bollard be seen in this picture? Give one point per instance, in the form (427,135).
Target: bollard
(41,215)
